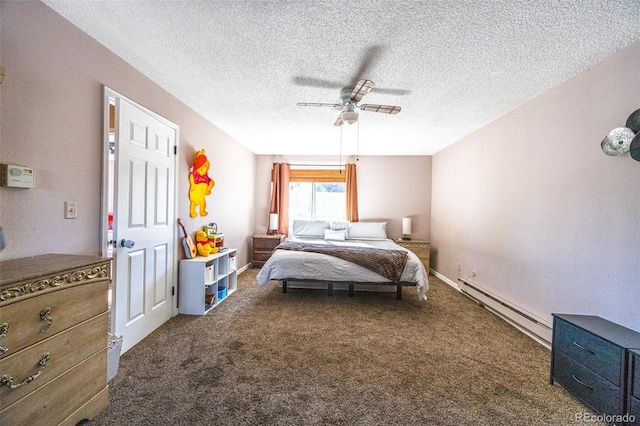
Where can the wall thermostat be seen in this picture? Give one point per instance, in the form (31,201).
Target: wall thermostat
(16,176)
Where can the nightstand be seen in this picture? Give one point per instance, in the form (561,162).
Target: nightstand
(263,246)
(419,247)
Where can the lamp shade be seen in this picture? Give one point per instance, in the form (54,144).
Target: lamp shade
(406,225)
(273,221)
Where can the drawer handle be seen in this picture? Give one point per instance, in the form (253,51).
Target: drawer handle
(583,348)
(8,380)
(45,315)
(4,329)
(581,382)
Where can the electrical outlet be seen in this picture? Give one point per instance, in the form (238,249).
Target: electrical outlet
(70,210)
(459,267)
(473,273)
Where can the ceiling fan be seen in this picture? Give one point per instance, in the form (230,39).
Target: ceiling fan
(349,98)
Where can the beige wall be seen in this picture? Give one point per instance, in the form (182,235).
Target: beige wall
(389,188)
(51,120)
(531,202)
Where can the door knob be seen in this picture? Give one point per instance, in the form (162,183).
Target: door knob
(127,243)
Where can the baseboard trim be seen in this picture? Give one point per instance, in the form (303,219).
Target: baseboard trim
(445,279)
(244,268)
(496,312)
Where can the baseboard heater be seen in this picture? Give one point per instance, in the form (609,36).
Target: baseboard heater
(516,316)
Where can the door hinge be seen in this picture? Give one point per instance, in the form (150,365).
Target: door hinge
(173,291)
(175,149)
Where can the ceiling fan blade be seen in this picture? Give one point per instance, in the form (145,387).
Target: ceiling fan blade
(362,88)
(385,109)
(338,121)
(369,59)
(318,104)
(398,92)
(317,82)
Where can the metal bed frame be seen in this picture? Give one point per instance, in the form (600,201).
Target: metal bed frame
(351,285)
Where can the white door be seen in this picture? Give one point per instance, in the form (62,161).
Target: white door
(144,219)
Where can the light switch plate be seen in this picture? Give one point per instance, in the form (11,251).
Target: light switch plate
(70,210)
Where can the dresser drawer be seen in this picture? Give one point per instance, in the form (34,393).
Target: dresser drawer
(261,256)
(89,410)
(417,247)
(635,378)
(62,393)
(265,243)
(65,350)
(67,307)
(634,410)
(421,252)
(589,350)
(594,390)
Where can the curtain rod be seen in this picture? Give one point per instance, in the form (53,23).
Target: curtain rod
(317,165)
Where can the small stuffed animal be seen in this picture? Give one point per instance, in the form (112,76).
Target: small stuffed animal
(200,184)
(202,243)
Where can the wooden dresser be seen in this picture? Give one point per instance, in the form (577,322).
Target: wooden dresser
(53,339)
(421,249)
(590,358)
(263,246)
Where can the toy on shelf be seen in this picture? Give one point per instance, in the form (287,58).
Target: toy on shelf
(203,245)
(200,185)
(216,239)
(210,229)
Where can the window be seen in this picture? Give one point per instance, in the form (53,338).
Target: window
(317,194)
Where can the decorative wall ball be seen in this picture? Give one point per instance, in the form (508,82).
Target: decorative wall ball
(633,122)
(617,141)
(634,148)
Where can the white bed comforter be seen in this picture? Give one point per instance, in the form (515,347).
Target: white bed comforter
(288,264)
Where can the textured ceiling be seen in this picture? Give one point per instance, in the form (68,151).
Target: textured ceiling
(453,66)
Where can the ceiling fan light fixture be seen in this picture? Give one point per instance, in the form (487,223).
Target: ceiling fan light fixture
(349,98)
(350,117)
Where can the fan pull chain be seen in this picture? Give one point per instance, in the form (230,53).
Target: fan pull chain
(340,161)
(358,143)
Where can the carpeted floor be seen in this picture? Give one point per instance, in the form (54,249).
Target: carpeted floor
(305,358)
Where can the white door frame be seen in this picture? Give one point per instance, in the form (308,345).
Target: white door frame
(110,95)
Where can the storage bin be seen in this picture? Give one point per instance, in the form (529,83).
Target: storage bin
(232,262)
(113,355)
(222,293)
(209,299)
(209,272)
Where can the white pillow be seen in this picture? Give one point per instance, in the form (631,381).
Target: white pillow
(337,226)
(309,228)
(368,230)
(331,235)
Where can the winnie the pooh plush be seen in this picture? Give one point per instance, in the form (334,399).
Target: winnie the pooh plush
(204,246)
(202,243)
(200,184)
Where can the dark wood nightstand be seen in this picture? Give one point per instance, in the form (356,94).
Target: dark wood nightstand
(263,246)
(419,247)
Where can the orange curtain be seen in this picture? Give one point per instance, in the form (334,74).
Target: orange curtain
(352,193)
(280,176)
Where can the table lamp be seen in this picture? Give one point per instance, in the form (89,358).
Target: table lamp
(273,223)
(406,228)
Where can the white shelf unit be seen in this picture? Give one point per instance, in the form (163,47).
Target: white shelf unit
(204,282)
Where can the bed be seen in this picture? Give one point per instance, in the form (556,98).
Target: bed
(354,256)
